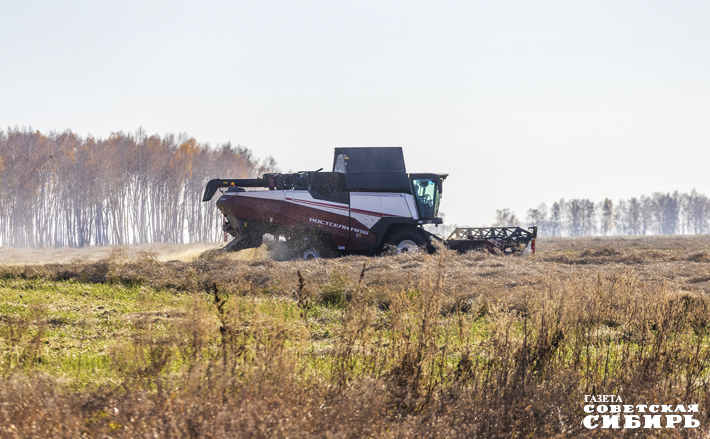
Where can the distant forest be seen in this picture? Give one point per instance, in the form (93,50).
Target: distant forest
(658,214)
(61,189)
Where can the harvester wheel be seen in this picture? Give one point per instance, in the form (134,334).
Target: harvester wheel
(311,253)
(314,246)
(407,241)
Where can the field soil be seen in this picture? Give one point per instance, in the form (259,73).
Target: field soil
(192,341)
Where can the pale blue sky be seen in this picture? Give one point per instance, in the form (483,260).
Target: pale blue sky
(520,102)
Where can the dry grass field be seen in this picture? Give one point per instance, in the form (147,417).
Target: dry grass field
(168,343)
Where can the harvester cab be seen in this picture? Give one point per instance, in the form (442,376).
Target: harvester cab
(427,192)
(368,201)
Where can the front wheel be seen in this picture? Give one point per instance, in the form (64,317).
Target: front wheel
(407,241)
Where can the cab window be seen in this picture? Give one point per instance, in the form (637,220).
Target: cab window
(427,192)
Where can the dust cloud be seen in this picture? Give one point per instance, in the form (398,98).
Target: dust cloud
(160,251)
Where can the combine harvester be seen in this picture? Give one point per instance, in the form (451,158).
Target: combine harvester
(367,202)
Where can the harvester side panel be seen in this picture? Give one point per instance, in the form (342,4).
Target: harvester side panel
(303,211)
(256,206)
(352,227)
(305,199)
(368,208)
(412,206)
(372,209)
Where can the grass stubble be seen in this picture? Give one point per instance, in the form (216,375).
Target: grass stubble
(440,345)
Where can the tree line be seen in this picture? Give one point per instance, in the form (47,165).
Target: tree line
(658,214)
(61,189)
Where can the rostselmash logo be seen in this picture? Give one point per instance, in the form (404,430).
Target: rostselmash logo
(609,411)
(338,226)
